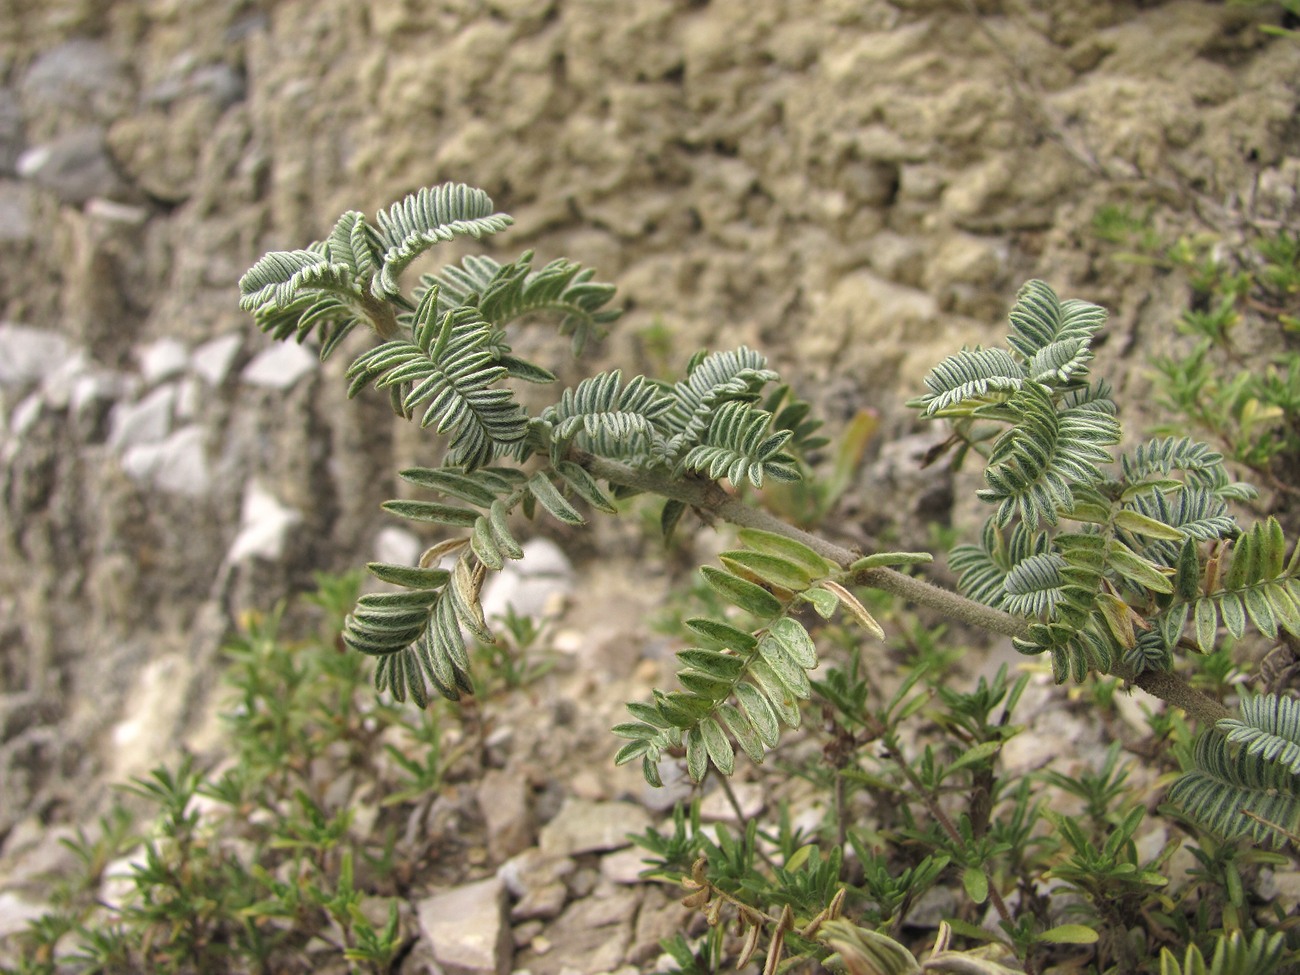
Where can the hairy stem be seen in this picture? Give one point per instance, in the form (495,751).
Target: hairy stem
(381,316)
(710,497)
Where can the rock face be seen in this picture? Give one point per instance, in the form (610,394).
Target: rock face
(855,187)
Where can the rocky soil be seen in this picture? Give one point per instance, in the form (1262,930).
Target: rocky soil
(857,188)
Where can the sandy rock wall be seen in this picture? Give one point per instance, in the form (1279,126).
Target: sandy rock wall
(856,187)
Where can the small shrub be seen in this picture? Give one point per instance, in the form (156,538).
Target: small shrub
(1101,564)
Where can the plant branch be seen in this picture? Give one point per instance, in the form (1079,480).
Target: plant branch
(710,497)
(381,316)
(945,823)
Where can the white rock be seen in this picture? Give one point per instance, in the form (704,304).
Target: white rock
(154,710)
(189,399)
(111,211)
(397,546)
(117,888)
(544,559)
(1283,885)
(625,866)
(932,907)
(28,354)
(587,827)
(280,366)
(535,586)
(16,911)
(25,414)
(532,869)
(263,527)
(541,903)
(78,78)
(75,166)
(593,934)
(1032,750)
(58,383)
(503,800)
(15,212)
(468,928)
(177,465)
(1135,711)
(96,387)
(606,906)
(212,360)
(148,420)
(677,787)
(716,807)
(161,360)
(1150,844)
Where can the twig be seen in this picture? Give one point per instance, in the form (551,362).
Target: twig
(725,782)
(1171,688)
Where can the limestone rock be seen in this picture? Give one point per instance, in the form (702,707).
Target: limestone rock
(90,399)
(1282,886)
(189,400)
(661,916)
(932,907)
(219,83)
(535,586)
(587,827)
(25,415)
(212,360)
(117,886)
(927,489)
(146,421)
(717,808)
(1028,752)
(176,465)
(960,273)
(467,928)
(264,526)
(143,739)
(533,868)
(34,855)
(538,883)
(541,903)
(27,354)
(503,800)
(35,768)
(592,935)
(114,213)
(280,366)
(16,911)
(75,167)
(15,212)
(162,359)
(58,382)
(677,787)
(624,866)
(397,546)
(79,79)
(903,321)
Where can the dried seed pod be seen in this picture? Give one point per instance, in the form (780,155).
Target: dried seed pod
(749,945)
(697,872)
(697,899)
